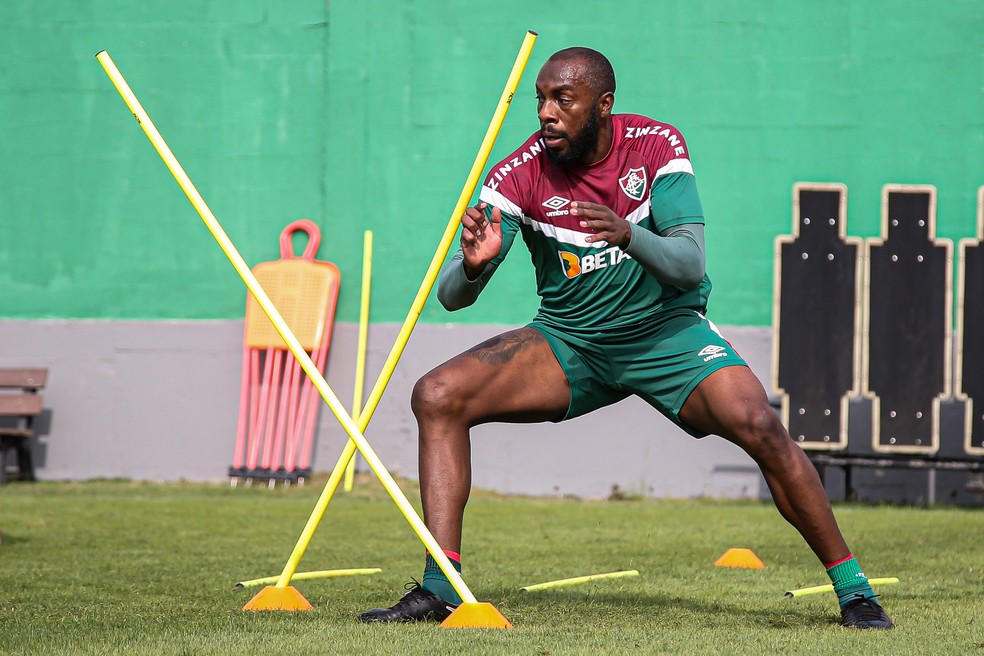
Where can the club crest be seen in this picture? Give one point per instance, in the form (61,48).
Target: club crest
(633,183)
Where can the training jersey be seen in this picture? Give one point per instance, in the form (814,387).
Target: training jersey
(646,178)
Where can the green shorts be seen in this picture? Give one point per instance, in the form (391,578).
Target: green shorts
(661,363)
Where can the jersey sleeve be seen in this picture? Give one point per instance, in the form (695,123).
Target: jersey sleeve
(674,256)
(454,290)
(675,201)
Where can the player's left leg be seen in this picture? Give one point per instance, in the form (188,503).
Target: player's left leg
(732,403)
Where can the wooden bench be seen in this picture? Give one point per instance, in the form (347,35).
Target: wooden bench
(20,404)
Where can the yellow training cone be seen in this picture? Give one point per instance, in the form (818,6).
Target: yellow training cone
(743,558)
(477,615)
(274,598)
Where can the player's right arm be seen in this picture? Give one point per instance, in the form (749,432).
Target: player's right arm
(483,245)
(481,238)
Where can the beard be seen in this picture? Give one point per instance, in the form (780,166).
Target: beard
(579,144)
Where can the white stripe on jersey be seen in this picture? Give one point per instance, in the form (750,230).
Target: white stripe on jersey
(679,165)
(573,237)
(495,199)
(641,212)
(563,235)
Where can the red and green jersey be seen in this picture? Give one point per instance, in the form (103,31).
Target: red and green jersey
(646,178)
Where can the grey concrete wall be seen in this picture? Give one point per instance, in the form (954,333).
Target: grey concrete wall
(159,401)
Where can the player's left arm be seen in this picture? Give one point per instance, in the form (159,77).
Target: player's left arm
(675,254)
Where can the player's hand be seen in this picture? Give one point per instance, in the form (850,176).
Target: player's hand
(481,238)
(605,224)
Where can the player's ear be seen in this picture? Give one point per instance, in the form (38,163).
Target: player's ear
(605,104)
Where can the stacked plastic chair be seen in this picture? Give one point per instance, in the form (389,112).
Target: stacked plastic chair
(278,405)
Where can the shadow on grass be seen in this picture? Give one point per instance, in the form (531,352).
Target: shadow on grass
(8,539)
(669,610)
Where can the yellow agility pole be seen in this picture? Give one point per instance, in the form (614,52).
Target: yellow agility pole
(817,589)
(360,358)
(473,613)
(331,486)
(278,599)
(307,576)
(274,315)
(577,580)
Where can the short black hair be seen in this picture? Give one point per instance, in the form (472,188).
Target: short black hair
(601,75)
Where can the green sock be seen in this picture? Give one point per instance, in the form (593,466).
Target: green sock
(435,581)
(849,581)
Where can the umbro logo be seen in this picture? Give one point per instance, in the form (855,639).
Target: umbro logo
(555,202)
(712,351)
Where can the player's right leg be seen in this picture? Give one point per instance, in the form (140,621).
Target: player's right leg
(513,377)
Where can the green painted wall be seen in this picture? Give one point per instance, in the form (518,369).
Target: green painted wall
(367,115)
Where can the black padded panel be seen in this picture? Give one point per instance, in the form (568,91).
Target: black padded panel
(816,315)
(908,314)
(971,383)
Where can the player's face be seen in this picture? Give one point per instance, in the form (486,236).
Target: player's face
(569,113)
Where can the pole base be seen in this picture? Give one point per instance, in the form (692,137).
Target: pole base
(274,598)
(479,615)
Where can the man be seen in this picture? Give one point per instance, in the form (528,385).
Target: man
(608,207)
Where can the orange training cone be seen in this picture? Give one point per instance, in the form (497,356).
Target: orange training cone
(743,558)
(273,598)
(478,615)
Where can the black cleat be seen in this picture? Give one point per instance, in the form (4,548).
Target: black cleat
(417,605)
(864,613)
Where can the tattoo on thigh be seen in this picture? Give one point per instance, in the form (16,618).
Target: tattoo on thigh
(501,348)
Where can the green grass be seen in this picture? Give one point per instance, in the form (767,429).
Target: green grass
(113,567)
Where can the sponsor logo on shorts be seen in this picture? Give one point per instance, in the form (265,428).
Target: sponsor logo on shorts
(573,266)
(554,203)
(712,351)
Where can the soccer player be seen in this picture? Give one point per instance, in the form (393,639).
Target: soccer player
(608,206)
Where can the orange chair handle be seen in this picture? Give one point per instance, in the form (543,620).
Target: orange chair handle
(287,239)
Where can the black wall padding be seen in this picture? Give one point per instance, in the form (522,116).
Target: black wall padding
(972,335)
(908,316)
(817,320)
